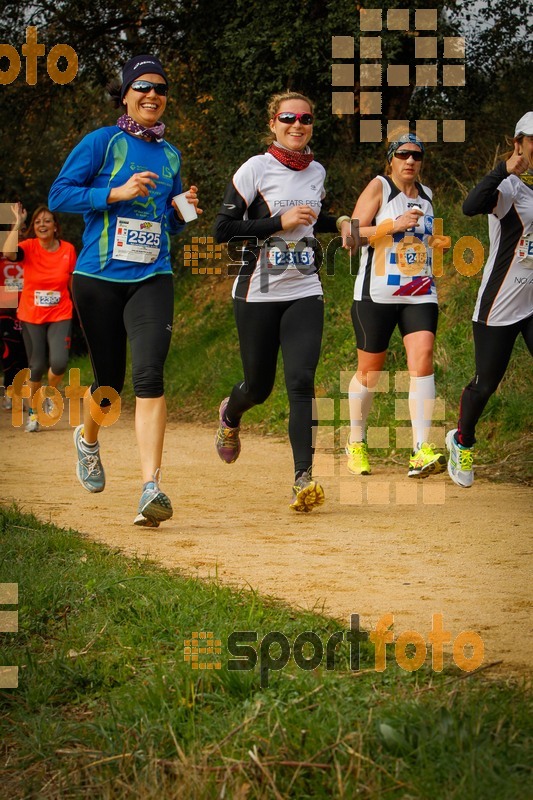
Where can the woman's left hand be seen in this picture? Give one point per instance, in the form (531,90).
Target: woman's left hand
(192,198)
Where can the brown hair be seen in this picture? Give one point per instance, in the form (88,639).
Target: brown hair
(273,107)
(41,209)
(509,141)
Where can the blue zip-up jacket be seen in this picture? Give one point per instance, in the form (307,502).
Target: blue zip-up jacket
(105,159)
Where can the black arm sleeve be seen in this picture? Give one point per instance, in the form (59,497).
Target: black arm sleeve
(326,223)
(227,227)
(230,223)
(483,197)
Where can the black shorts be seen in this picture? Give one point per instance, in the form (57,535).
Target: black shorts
(374,323)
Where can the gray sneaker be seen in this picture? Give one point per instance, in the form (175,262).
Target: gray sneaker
(89,468)
(154,505)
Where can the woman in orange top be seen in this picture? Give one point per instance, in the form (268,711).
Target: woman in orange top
(45,307)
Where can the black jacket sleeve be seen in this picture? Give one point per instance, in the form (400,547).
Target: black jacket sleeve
(483,197)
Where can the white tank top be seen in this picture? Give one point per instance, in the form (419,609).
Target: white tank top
(380,277)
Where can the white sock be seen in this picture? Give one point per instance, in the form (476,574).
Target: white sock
(360,400)
(421,404)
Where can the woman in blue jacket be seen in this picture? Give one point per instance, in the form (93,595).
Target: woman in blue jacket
(122,179)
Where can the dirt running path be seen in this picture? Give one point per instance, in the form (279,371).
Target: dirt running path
(380,544)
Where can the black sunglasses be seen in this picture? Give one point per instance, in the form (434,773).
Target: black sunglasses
(289,118)
(144,87)
(403,155)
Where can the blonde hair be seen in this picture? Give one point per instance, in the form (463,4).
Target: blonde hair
(273,107)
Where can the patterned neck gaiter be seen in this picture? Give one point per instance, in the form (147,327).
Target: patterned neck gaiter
(155,134)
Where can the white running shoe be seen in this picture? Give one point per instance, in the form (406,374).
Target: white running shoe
(460,461)
(32,425)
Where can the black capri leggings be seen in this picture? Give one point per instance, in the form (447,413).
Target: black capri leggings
(111,314)
(295,326)
(52,335)
(493,346)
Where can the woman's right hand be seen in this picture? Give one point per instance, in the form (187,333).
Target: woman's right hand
(138,185)
(407,220)
(299,215)
(19,214)
(517,163)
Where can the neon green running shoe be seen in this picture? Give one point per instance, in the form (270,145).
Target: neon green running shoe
(426,462)
(358,463)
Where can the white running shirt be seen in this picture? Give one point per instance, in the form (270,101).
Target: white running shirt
(263,187)
(506,292)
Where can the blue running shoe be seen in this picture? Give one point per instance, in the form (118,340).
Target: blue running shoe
(154,505)
(89,468)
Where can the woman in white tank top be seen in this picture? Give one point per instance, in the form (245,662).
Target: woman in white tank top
(395,287)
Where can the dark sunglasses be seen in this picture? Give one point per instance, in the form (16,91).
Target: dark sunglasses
(403,155)
(289,118)
(144,87)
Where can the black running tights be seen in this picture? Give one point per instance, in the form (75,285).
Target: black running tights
(111,315)
(295,326)
(493,346)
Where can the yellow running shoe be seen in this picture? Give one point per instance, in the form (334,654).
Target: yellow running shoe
(306,494)
(426,462)
(358,463)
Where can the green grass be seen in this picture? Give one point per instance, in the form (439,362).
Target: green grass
(107,707)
